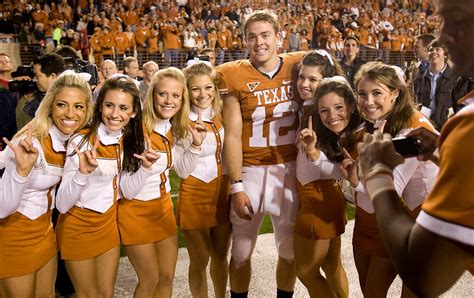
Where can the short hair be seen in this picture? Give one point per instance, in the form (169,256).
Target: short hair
(4,54)
(426,39)
(129,60)
(50,63)
(438,44)
(354,38)
(262,16)
(149,63)
(67,52)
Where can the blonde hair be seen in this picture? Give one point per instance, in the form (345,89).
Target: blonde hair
(202,69)
(43,120)
(180,120)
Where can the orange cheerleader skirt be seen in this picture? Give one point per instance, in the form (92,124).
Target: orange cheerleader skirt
(84,234)
(25,245)
(322,213)
(144,222)
(203,205)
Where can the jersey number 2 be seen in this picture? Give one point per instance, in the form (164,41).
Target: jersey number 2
(274,138)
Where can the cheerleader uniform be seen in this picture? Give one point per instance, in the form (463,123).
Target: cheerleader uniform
(204,195)
(27,240)
(87,226)
(147,213)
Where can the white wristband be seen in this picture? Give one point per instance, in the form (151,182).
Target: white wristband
(378,184)
(236,187)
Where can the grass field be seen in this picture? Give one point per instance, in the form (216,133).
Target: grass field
(265,228)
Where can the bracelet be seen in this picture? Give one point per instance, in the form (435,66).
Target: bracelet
(236,187)
(236,181)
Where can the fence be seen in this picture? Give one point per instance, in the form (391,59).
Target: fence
(401,59)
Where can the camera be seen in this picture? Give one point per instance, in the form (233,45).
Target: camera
(83,66)
(23,86)
(407,146)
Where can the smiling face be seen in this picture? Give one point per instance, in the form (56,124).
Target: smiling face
(334,112)
(117,109)
(202,91)
(69,110)
(309,78)
(262,43)
(375,100)
(167,97)
(436,55)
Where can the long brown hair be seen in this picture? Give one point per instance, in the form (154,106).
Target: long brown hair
(399,117)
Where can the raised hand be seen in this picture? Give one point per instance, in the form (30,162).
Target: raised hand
(88,158)
(198,131)
(429,141)
(149,156)
(349,169)
(307,137)
(25,152)
(242,205)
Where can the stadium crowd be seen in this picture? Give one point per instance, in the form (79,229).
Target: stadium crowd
(112,29)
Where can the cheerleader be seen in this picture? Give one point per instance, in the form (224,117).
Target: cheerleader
(203,205)
(146,218)
(34,163)
(87,230)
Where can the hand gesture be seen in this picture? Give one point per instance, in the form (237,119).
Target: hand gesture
(377,148)
(429,141)
(349,169)
(149,156)
(88,158)
(25,152)
(307,137)
(198,131)
(242,205)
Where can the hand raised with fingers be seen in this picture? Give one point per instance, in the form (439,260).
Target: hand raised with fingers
(198,130)
(25,153)
(349,169)
(242,205)
(149,156)
(307,137)
(88,158)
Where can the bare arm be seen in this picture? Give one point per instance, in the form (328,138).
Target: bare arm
(233,152)
(429,264)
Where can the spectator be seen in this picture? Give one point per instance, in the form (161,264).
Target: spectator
(420,50)
(171,44)
(211,54)
(8,101)
(149,69)
(432,88)
(131,67)
(351,63)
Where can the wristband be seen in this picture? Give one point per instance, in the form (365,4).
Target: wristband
(236,187)
(378,184)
